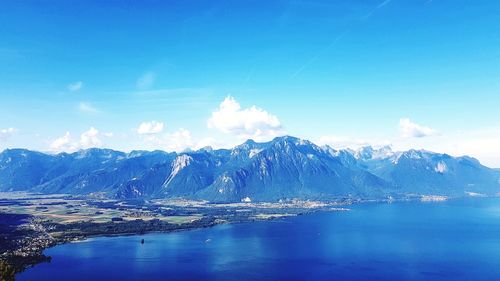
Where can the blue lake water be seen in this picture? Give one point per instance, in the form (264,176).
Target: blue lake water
(453,240)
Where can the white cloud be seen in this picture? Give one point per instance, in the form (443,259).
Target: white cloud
(342,142)
(207,142)
(179,140)
(88,139)
(245,123)
(63,143)
(5,134)
(409,129)
(482,143)
(87,107)
(73,87)
(146,81)
(150,128)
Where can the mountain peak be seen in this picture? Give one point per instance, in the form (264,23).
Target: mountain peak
(207,148)
(371,153)
(101,152)
(249,142)
(286,138)
(248,145)
(16,151)
(293,140)
(286,167)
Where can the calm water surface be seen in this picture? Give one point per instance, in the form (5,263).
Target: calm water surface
(454,240)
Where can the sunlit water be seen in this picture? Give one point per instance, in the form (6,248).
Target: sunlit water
(454,240)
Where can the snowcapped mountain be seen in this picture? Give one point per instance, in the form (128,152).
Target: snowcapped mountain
(284,168)
(425,172)
(288,167)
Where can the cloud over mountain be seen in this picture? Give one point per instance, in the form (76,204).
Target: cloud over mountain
(7,133)
(409,129)
(150,128)
(88,139)
(252,122)
(342,142)
(284,168)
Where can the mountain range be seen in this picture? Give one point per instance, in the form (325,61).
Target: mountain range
(284,168)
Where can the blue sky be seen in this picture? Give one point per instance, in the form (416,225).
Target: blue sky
(177,74)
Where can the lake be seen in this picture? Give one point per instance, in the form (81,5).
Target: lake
(452,240)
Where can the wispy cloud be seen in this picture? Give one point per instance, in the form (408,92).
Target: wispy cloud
(76,86)
(339,142)
(372,11)
(336,40)
(146,81)
(87,107)
(5,134)
(319,54)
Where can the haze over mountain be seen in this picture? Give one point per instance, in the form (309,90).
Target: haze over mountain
(284,168)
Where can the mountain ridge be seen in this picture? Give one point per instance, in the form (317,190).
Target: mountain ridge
(283,168)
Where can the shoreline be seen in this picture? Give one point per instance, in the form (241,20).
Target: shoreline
(20,265)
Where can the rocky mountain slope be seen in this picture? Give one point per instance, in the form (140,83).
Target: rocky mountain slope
(284,168)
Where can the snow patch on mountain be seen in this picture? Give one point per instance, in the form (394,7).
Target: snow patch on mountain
(440,167)
(225,179)
(254,152)
(370,153)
